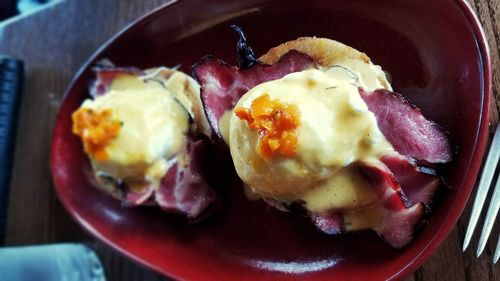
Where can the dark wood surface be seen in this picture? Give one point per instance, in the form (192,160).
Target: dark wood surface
(55,42)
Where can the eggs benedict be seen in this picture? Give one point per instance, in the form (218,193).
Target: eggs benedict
(139,126)
(332,128)
(302,124)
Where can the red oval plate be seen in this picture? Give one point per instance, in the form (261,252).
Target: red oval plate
(436,54)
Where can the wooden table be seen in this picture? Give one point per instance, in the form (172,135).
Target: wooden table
(54,43)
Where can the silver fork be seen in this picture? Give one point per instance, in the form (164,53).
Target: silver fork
(482,190)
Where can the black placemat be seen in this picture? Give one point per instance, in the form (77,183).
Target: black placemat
(11,81)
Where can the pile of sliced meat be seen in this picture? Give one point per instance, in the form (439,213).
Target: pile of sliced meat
(403,187)
(223,85)
(183,189)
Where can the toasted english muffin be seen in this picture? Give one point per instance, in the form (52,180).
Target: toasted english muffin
(325,52)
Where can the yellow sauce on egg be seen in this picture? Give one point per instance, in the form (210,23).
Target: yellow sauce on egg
(335,130)
(343,190)
(131,131)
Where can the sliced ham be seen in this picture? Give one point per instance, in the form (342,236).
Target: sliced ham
(223,85)
(331,222)
(398,223)
(135,198)
(400,121)
(418,184)
(105,73)
(184,189)
(384,183)
(400,184)
(398,228)
(404,126)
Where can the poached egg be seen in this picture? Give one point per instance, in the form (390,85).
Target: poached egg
(333,129)
(135,131)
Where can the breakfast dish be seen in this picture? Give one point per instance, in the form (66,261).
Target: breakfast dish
(313,125)
(145,136)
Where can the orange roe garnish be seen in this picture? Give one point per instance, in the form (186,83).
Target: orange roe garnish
(275,122)
(96,129)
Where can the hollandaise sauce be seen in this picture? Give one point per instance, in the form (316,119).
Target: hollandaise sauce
(130,132)
(332,129)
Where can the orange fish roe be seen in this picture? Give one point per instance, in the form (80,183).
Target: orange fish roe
(275,122)
(96,129)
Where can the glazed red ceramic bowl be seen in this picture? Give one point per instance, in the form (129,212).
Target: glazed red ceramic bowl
(437,56)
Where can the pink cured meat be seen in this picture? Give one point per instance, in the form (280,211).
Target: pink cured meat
(135,198)
(106,75)
(418,184)
(401,123)
(184,189)
(406,128)
(398,228)
(399,222)
(331,222)
(223,85)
